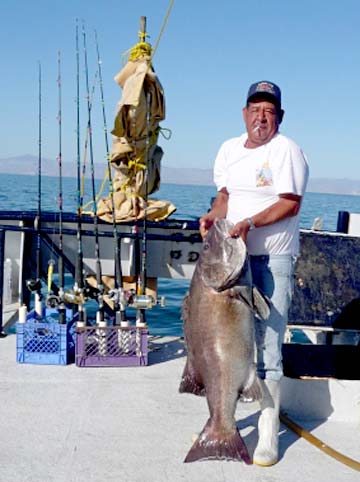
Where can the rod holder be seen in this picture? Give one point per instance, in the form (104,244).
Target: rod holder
(22,314)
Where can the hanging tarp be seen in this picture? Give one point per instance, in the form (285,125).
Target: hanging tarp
(135,155)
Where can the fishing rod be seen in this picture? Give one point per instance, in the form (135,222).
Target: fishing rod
(53,300)
(22,305)
(76,296)
(83,171)
(34,285)
(117,294)
(99,284)
(61,307)
(143,300)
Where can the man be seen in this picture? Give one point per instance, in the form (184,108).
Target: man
(261,177)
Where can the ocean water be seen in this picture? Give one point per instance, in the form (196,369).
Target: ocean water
(21,192)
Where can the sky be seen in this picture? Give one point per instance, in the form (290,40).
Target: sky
(208,55)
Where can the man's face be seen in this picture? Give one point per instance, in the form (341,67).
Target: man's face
(262,122)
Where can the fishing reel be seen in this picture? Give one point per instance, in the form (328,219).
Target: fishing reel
(77,296)
(91,292)
(33,285)
(73,297)
(119,297)
(55,301)
(145,302)
(129,298)
(52,301)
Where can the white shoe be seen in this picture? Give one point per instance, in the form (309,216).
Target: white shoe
(267,449)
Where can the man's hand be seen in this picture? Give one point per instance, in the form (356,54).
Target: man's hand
(218,211)
(240,230)
(206,222)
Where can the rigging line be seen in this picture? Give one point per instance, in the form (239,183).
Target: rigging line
(100,289)
(166,18)
(143,35)
(301,432)
(119,305)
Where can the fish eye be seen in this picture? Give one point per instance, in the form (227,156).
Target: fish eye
(206,246)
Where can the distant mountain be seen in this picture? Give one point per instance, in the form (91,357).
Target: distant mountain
(178,175)
(334,186)
(181,175)
(28,165)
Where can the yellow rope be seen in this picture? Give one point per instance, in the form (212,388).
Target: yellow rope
(135,164)
(139,50)
(106,175)
(354,464)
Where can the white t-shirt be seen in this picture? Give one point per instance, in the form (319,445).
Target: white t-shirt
(254,178)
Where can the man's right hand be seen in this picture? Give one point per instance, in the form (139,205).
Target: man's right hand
(218,211)
(206,222)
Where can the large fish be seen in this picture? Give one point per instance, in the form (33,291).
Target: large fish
(218,314)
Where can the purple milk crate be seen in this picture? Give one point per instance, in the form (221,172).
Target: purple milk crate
(111,346)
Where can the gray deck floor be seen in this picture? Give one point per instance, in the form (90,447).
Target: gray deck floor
(70,424)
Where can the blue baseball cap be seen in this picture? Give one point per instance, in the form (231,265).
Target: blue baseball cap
(265,89)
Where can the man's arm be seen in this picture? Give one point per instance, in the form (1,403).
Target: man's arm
(218,211)
(287,206)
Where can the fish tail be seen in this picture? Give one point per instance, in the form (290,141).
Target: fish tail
(212,446)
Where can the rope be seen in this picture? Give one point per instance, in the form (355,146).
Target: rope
(141,49)
(102,187)
(301,432)
(135,165)
(166,18)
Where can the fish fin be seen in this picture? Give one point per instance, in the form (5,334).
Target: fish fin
(261,303)
(244,294)
(189,383)
(211,445)
(252,390)
(254,299)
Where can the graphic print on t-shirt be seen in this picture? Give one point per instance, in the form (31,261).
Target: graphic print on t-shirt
(264,176)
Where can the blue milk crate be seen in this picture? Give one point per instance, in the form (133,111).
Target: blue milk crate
(46,341)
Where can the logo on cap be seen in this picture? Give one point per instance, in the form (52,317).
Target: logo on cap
(265,87)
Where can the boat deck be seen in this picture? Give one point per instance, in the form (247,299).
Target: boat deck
(70,424)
